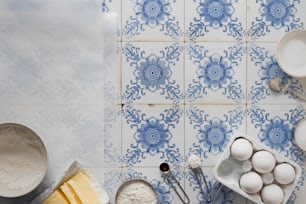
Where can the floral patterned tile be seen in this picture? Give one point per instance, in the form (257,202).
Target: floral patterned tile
(112,135)
(219,193)
(214,20)
(152,72)
(165,193)
(112,181)
(152,20)
(268,20)
(273,125)
(215,73)
(262,66)
(112,75)
(152,134)
(208,129)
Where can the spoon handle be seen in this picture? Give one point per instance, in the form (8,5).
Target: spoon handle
(298,95)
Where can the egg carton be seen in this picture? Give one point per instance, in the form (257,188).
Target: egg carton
(229,170)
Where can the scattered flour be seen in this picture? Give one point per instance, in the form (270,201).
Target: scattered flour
(194,161)
(136,192)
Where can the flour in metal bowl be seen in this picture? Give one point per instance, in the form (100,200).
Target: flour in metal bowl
(136,192)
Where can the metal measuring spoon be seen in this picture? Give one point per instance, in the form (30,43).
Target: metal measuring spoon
(165,169)
(276,84)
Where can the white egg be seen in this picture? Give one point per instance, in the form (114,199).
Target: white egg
(251,182)
(272,194)
(263,161)
(241,149)
(284,173)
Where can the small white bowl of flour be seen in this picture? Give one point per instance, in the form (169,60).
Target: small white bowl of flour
(23,160)
(136,191)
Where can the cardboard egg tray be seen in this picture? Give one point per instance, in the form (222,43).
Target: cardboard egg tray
(229,170)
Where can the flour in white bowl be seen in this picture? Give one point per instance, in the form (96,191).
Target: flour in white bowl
(22,160)
(136,192)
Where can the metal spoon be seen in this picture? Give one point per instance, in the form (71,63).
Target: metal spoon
(165,169)
(276,84)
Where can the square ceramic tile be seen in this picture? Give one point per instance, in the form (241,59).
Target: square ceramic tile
(215,73)
(208,129)
(269,20)
(152,20)
(112,135)
(274,125)
(112,181)
(218,192)
(165,192)
(262,66)
(152,134)
(152,73)
(215,20)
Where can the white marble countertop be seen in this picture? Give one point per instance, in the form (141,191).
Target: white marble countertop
(51,80)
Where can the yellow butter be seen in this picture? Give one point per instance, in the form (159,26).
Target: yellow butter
(70,195)
(56,197)
(77,190)
(83,187)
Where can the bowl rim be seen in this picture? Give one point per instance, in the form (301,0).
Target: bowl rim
(278,58)
(299,124)
(29,189)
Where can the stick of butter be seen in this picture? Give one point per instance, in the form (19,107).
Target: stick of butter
(77,190)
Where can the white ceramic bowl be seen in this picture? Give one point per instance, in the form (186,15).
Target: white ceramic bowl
(23,160)
(291,53)
(300,134)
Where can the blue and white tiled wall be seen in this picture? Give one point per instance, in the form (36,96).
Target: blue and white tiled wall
(191,74)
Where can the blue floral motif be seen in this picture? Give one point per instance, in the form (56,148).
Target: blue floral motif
(152,135)
(105,8)
(269,68)
(216,14)
(215,72)
(152,14)
(277,14)
(276,132)
(163,192)
(213,134)
(152,73)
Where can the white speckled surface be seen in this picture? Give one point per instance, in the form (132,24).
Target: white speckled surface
(52,80)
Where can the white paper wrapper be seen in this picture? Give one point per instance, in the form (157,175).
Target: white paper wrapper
(73,169)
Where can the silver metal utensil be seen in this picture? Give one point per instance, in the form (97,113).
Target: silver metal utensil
(165,169)
(276,84)
(194,163)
